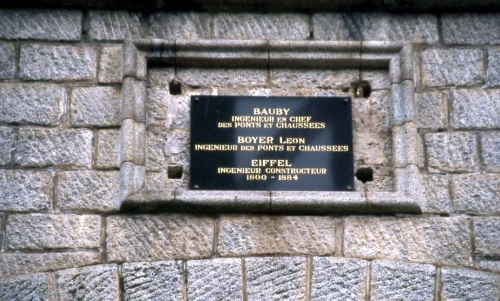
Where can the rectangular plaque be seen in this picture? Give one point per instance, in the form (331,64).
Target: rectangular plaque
(271,143)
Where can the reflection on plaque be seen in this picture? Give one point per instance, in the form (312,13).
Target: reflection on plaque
(271,143)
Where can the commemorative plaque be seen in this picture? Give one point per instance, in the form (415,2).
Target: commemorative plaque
(271,143)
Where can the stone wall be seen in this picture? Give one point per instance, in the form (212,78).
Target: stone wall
(64,237)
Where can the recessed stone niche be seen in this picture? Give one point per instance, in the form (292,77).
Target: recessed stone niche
(159,77)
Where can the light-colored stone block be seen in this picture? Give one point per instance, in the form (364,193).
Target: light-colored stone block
(5,144)
(35,287)
(7,60)
(475,109)
(490,145)
(455,152)
(110,65)
(95,106)
(493,71)
(476,193)
(25,191)
(184,26)
(432,110)
(487,236)
(114,25)
(108,146)
(209,77)
(99,282)
(465,284)
(437,195)
(471,28)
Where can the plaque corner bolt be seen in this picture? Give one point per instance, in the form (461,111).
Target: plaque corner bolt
(349,188)
(346,100)
(196,186)
(197,98)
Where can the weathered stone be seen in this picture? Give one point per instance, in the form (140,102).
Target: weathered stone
(493,72)
(55,25)
(375,27)
(99,282)
(7,60)
(251,235)
(108,145)
(378,79)
(338,279)
(488,265)
(475,109)
(95,106)
(186,26)
(311,78)
(95,191)
(401,281)
(5,145)
(247,26)
(214,279)
(437,196)
(490,143)
(276,278)
(222,77)
(23,190)
(454,152)
(158,237)
(428,240)
(476,193)
(35,287)
(465,284)
(152,281)
(156,158)
(48,62)
(470,29)
(114,25)
(36,104)
(452,67)
(60,147)
(110,66)
(53,231)
(487,236)
(432,110)
(27,263)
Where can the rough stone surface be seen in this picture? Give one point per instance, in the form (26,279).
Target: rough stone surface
(95,106)
(7,60)
(401,281)
(490,144)
(451,152)
(488,265)
(313,78)
(161,106)
(55,25)
(108,146)
(470,29)
(375,27)
(35,287)
(31,104)
(5,145)
(22,191)
(26,263)
(428,240)
(158,237)
(432,110)
(476,193)
(214,279)
(52,231)
(465,284)
(493,72)
(250,235)
(152,281)
(452,67)
(114,25)
(338,279)
(156,141)
(248,26)
(208,77)
(100,282)
(48,62)
(476,109)
(88,191)
(378,79)
(110,66)
(185,26)
(59,147)
(276,278)
(487,236)
(437,196)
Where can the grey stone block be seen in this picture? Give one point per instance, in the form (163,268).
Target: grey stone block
(209,77)
(319,202)
(133,100)
(388,202)
(490,144)
(48,62)
(108,146)
(132,142)
(313,78)
(95,106)
(114,25)
(401,281)
(249,26)
(475,109)
(493,72)
(158,237)
(95,191)
(99,282)
(156,142)
(5,145)
(476,193)
(227,201)
(437,196)
(378,79)
(180,26)
(59,147)
(404,108)
(110,65)
(452,67)
(338,279)
(32,104)
(488,265)
(470,28)
(454,152)
(152,281)
(53,231)
(34,287)
(276,278)
(406,145)
(23,190)
(214,279)
(487,236)
(7,60)
(252,235)
(54,25)
(132,179)
(26,263)
(427,240)
(408,182)
(465,284)
(432,110)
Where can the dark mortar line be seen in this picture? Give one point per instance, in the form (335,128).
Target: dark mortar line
(437,284)
(104,238)
(309,274)
(339,238)
(244,280)
(368,281)
(481,166)
(215,247)
(471,239)
(184,282)
(3,232)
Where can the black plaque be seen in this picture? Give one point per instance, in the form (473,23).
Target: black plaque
(271,143)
